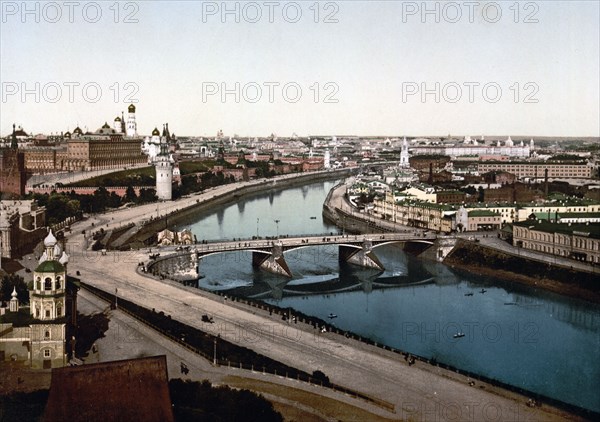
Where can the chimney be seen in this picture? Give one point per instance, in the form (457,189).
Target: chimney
(430,173)
(546,183)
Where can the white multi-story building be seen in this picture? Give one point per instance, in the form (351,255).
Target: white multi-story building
(473,148)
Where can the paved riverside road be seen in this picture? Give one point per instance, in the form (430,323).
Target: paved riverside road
(419,392)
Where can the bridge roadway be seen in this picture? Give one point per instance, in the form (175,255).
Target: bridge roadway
(419,392)
(268,254)
(289,243)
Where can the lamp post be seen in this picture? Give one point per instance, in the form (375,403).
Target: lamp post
(215,351)
(257,220)
(277,223)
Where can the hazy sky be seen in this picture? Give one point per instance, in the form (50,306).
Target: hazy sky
(362,67)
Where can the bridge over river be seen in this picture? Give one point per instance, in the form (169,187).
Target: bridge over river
(269,254)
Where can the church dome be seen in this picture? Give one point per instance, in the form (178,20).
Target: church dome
(131,108)
(105,126)
(50,240)
(155,132)
(64,259)
(21,133)
(78,131)
(117,119)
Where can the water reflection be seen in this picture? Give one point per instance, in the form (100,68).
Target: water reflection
(515,333)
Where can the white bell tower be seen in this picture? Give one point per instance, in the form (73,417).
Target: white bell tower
(131,124)
(404,154)
(47,306)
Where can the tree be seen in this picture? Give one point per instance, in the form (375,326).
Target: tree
(114,200)
(130,195)
(59,207)
(100,200)
(147,195)
(201,401)
(320,376)
(11,281)
(480,194)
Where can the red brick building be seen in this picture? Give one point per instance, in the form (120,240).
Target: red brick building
(12,168)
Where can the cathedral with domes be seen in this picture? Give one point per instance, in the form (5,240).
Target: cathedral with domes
(36,333)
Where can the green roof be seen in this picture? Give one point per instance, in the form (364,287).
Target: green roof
(453,192)
(483,213)
(581,229)
(579,215)
(561,215)
(50,267)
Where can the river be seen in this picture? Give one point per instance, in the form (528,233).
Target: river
(520,335)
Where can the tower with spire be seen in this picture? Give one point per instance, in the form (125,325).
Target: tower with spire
(13,142)
(404,155)
(164,168)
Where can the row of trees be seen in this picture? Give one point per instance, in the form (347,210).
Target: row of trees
(202,401)
(191,183)
(60,206)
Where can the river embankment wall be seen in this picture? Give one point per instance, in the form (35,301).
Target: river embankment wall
(350,222)
(474,257)
(242,190)
(485,261)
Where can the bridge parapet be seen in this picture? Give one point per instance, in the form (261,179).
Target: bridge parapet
(269,254)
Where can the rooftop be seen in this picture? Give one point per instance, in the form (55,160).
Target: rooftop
(133,389)
(587,230)
(50,267)
(483,213)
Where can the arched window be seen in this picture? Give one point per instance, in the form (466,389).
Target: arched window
(47,334)
(48,283)
(59,310)
(38,283)
(58,282)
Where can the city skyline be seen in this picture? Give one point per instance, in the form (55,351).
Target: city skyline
(377,68)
